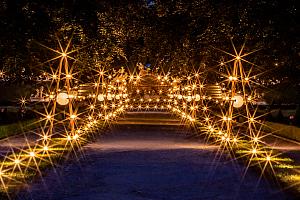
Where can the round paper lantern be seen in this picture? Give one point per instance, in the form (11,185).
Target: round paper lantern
(238,101)
(180,96)
(197,97)
(189,98)
(117,96)
(62,99)
(100,97)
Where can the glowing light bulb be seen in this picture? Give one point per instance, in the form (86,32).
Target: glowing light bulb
(73,116)
(17,161)
(32,154)
(69,76)
(76,136)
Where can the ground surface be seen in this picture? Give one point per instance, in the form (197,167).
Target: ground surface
(150,164)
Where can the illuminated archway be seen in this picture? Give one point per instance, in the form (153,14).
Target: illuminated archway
(225,111)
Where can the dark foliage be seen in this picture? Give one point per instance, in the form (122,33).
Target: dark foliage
(179,35)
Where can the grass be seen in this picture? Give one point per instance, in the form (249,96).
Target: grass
(14,175)
(287,131)
(17,128)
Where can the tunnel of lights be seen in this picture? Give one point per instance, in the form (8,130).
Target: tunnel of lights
(224,113)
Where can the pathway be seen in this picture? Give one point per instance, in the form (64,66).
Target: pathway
(150,162)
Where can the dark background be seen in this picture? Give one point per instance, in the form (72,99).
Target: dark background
(179,35)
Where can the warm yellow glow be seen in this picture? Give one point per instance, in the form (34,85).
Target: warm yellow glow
(17,161)
(32,154)
(73,116)
(69,76)
(62,98)
(238,101)
(76,136)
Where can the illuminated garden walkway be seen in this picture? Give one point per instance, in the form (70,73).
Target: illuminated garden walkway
(143,162)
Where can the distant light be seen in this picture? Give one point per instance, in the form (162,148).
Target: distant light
(69,138)
(76,136)
(100,97)
(69,76)
(17,161)
(73,116)
(32,154)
